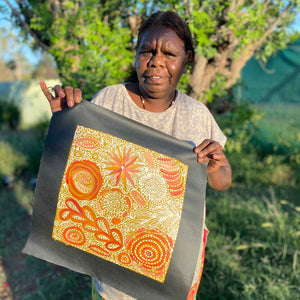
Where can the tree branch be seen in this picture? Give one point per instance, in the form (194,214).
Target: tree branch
(272,26)
(197,75)
(234,73)
(134,22)
(55,8)
(189,6)
(234,5)
(27,28)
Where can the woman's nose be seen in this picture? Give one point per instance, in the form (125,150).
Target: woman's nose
(157,60)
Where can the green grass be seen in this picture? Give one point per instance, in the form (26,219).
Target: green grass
(27,277)
(252,246)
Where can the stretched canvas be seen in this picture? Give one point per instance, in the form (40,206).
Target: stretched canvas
(119,201)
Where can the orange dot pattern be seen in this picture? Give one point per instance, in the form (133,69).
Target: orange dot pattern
(121,202)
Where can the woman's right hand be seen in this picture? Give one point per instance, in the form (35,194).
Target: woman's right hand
(64,97)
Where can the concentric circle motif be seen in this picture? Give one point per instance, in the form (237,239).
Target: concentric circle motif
(124,258)
(150,250)
(84,179)
(153,186)
(74,236)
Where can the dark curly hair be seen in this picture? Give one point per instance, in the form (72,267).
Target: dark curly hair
(176,23)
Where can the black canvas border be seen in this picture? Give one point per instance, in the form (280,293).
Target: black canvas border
(40,243)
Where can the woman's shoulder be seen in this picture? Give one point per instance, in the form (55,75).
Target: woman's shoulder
(111,88)
(109,91)
(191,104)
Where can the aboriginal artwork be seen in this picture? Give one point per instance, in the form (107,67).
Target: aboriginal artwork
(121,202)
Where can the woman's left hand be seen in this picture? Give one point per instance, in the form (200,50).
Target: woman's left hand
(210,151)
(218,167)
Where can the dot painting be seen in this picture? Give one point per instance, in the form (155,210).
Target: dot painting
(121,202)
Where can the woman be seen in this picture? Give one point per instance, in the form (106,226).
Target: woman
(164,49)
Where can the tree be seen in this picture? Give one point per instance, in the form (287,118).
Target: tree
(92,41)
(13,63)
(45,68)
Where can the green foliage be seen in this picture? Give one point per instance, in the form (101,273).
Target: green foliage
(93,42)
(203,26)
(217,89)
(257,148)
(11,162)
(280,141)
(9,113)
(270,132)
(183,83)
(248,22)
(238,125)
(22,151)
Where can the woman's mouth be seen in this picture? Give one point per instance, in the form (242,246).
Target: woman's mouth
(155,79)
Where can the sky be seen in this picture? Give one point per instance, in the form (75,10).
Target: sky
(33,57)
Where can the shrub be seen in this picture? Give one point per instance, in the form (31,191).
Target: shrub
(256,159)
(12,162)
(21,146)
(9,113)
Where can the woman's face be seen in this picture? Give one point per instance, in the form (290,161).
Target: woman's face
(160,62)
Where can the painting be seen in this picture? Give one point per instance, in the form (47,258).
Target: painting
(121,202)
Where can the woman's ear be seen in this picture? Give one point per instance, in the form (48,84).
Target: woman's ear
(188,57)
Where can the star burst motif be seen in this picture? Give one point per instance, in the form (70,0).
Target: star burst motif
(122,166)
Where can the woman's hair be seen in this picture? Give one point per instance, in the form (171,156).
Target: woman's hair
(173,21)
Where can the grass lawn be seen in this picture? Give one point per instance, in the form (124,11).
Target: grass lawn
(253,245)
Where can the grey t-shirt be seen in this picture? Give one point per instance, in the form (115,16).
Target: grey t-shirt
(187,119)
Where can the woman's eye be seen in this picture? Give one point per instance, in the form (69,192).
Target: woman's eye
(146,52)
(170,54)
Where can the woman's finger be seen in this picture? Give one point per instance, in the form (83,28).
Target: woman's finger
(46,91)
(201,160)
(217,156)
(203,145)
(210,148)
(69,96)
(59,91)
(77,95)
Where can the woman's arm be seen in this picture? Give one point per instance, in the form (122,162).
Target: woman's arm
(218,167)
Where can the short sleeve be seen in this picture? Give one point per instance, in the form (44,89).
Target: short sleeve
(216,132)
(99,98)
